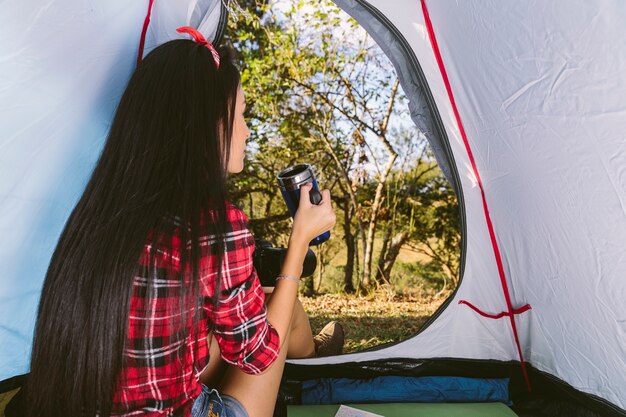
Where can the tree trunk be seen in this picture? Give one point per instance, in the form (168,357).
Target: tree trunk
(378,200)
(321,267)
(308,286)
(268,206)
(356,263)
(380,278)
(394,250)
(348,286)
(382,181)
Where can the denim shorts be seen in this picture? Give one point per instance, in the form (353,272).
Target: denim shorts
(211,404)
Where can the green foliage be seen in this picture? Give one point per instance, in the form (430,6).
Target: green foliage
(320,91)
(410,276)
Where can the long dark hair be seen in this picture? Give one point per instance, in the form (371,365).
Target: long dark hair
(165,157)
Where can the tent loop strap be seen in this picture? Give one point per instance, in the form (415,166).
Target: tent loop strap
(515,311)
(142,40)
(492,235)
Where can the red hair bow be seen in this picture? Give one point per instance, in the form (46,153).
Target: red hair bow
(197,36)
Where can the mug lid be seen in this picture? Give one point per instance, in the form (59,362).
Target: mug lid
(294,176)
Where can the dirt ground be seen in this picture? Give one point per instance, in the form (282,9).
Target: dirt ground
(371,320)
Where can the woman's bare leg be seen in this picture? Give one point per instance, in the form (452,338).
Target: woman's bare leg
(301,336)
(300,346)
(258,393)
(216,368)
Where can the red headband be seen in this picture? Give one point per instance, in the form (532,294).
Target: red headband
(197,36)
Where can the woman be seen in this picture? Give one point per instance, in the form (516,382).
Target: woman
(154,264)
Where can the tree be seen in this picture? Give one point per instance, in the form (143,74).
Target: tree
(424,200)
(320,91)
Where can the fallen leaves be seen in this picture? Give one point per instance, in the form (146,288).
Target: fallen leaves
(371,320)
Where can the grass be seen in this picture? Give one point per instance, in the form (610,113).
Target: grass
(392,313)
(380,317)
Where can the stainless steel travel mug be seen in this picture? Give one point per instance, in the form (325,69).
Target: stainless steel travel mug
(289,181)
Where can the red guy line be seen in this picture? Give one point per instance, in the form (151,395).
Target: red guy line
(520,310)
(142,41)
(492,235)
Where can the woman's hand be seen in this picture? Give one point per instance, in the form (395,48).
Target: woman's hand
(312,220)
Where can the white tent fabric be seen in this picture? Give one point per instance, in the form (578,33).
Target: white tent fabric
(540,91)
(63,67)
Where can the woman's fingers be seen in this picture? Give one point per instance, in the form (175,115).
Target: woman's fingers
(326,196)
(312,220)
(304,195)
(329,215)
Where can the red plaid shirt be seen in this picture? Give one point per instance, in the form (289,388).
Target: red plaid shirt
(161,378)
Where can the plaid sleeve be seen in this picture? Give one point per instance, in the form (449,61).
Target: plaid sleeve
(245,337)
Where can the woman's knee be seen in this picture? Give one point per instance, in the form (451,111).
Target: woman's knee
(299,317)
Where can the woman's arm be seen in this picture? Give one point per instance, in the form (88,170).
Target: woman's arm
(310,221)
(241,317)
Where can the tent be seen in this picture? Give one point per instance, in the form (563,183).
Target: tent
(523,104)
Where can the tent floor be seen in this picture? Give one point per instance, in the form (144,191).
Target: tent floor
(409,409)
